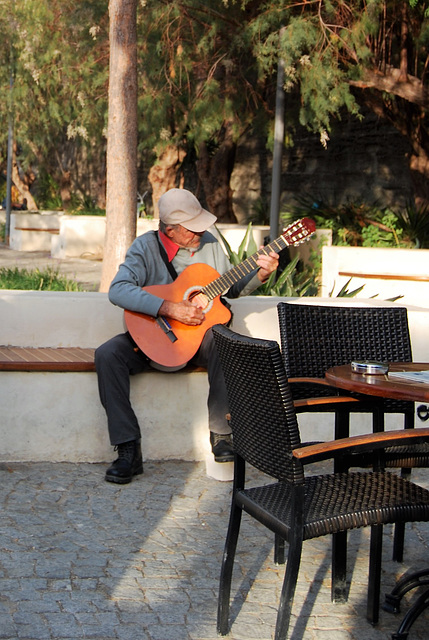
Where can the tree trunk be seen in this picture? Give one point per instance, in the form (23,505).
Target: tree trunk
(23,188)
(65,189)
(214,171)
(121,190)
(403,76)
(163,174)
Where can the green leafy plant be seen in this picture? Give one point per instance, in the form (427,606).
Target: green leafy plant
(48,196)
(345,293)
(82,205)
(36,280)
(414,224)
(260,212)
(295,280)
(364,225)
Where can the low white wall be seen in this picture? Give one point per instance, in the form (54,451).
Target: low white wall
(83,236)
(58,416)
(79,236)
(367,265)
(33,231)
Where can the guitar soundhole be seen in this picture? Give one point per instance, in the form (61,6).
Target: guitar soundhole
(197,297)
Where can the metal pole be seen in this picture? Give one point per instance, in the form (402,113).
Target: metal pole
(9,157)
(277,153)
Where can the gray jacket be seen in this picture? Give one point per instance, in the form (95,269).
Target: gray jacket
(143,266)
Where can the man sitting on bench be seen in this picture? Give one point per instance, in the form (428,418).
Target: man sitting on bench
(155,258)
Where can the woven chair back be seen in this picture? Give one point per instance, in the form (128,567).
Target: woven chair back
(263,418)
(315,338)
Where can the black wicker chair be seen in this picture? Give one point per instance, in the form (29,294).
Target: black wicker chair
(296,507)
(315,338)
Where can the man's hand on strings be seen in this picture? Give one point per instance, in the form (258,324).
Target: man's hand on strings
(184,311)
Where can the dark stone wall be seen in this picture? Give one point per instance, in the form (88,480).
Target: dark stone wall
(364,162)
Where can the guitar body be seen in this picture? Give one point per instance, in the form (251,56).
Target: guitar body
(151,337)
(171,343)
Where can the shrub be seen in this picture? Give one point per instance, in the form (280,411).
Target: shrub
(293,280)
(36,280)
(365,225)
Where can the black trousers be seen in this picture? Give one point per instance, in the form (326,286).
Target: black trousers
(118,358)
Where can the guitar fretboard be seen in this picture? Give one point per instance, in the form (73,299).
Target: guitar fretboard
(294,234)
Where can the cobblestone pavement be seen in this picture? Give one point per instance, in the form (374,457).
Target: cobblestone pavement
(82,558)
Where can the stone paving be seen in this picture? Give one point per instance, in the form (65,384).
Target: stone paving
(82,558)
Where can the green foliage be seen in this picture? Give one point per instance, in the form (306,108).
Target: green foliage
(48,197)
(59,56)
(314,44)
(203,67)
(345,293)
(295,280)
(364,225)
(414,224)
(48,193)
(420,3)
(84,205)
(36,280)
(260,214)
(198,72)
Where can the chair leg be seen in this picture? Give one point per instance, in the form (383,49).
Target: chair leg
(288,589)
(342,424)
(279,549)
(376,547)
(399,534)
(339,567)
(339,540)
(398,542)
(226,570)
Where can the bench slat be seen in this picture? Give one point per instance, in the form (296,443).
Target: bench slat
(46,359)
(56,359)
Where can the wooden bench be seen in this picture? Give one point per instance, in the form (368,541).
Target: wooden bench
(51,411)
(56,359)
(46,359)
(53,230)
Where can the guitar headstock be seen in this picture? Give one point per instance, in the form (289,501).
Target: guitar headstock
(299,231)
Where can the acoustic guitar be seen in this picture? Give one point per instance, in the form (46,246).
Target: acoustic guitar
(171,343)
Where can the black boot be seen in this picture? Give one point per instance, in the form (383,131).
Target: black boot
(222,446)
(128,464)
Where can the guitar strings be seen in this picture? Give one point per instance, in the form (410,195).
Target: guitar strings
(224,282)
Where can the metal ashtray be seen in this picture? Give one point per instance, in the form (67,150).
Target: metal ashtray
(370,367)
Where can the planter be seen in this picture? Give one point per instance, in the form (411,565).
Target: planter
(385,273)
(83,236)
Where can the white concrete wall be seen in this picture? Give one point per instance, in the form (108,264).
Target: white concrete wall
(83,236)
(57,416)
(24,237)
(402,263)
